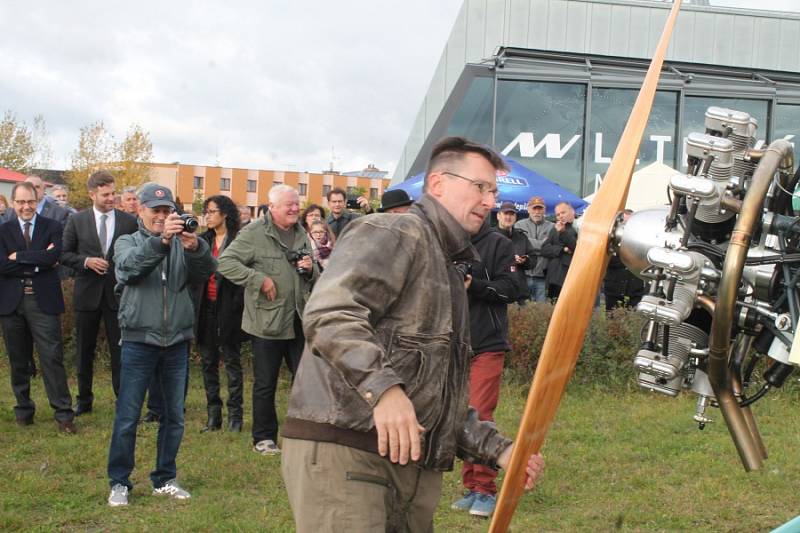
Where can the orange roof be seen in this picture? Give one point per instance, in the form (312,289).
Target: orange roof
(11,175)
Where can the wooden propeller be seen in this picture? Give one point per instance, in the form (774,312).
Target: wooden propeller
(574,308)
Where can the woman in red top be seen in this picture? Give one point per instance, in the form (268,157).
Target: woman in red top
(220,306)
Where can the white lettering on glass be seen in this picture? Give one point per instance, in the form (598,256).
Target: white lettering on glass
(551,143)
(660,140)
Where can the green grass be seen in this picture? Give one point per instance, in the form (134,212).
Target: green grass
(631,462)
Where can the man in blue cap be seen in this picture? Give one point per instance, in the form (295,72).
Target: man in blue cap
(154,268)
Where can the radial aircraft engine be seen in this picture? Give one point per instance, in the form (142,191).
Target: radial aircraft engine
(722,264)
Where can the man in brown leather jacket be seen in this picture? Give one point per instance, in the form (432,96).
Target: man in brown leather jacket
(379,407)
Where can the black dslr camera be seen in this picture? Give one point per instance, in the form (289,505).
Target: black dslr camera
(190,223)
(463,268)
(293,256)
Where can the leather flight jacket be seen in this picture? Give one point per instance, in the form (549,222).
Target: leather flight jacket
(390,310)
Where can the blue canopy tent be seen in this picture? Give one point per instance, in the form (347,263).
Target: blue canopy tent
(518,186)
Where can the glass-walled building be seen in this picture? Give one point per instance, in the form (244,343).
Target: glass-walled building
(561,112)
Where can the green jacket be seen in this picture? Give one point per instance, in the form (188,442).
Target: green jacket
(156,306)
(257,252)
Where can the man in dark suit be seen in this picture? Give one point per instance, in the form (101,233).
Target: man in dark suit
(46,206)
(31,303)
(89,251)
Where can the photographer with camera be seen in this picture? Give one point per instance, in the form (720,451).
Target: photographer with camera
(154,267)
(524,254)
(340,217)
(271,258)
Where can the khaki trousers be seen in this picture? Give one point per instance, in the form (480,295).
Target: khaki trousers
(335,488)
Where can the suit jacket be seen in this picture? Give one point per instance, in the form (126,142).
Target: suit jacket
(38,264)
(51,210)
(81,241)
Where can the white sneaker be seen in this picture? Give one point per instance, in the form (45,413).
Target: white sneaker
(118,496)
(172,489)
(267,447)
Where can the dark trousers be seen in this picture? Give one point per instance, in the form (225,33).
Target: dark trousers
(267,357)
(212,351)
(553,291)
(26,327)
(87,326)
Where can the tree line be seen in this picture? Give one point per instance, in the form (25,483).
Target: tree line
(24,148)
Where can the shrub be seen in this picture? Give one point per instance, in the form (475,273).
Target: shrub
(608,350)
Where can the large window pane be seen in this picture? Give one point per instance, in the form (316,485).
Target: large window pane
(540,124)
(694,115)
(473,118)
(787,123)
(610,111)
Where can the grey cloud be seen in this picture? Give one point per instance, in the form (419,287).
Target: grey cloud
(262,84)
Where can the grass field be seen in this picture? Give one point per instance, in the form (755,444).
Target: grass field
(628,462)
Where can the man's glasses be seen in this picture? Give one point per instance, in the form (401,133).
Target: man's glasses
(25,202)
(483,187)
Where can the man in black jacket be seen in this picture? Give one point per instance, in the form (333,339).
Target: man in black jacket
(493,286)
(89,251)
(524,254)
(31,303)
(558,248)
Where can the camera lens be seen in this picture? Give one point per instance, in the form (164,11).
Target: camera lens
(190,223)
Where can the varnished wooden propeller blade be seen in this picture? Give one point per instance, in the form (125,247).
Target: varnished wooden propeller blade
(574,308)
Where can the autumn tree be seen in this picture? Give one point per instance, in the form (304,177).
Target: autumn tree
(134,154)
(23,148)
(97,149)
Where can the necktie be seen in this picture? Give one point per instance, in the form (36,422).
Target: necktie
(27,235)
(103,233)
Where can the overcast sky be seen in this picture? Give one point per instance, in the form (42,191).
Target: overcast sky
(255,84)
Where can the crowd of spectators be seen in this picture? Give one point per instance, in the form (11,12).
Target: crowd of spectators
(244,279)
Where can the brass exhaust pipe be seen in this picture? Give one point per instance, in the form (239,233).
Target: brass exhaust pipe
(779,154)
(742,347)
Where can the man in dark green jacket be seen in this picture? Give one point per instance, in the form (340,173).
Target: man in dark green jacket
(271,258)
(154,268)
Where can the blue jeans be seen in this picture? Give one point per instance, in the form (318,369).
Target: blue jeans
(139,363)
(537,288)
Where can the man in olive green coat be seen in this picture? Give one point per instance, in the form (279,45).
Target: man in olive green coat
(271,258)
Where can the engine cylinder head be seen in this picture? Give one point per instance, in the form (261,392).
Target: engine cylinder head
(737,126)
(720,150)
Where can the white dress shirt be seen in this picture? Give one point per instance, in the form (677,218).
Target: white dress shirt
(109,226)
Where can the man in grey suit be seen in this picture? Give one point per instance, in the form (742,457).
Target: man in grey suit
(89,251)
